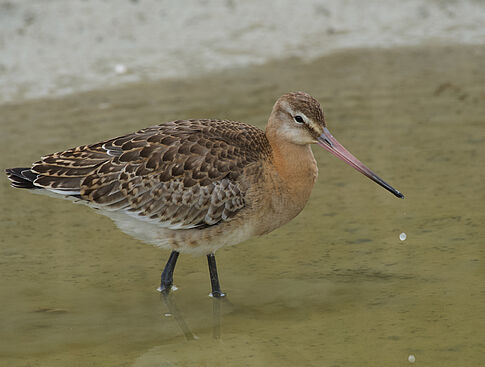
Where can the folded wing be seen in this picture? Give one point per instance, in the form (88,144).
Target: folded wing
(181,174)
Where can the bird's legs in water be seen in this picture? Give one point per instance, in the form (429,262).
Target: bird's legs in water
(216,288)
(167,274)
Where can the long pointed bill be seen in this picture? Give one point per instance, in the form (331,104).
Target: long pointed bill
(328,142)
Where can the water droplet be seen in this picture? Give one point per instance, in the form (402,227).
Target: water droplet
(120,69)
(402,236)
(411,358)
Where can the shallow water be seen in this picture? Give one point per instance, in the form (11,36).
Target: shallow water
(335,287)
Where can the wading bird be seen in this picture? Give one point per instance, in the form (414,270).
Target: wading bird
(194,186)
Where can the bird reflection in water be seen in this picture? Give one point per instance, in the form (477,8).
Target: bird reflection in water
(168,299)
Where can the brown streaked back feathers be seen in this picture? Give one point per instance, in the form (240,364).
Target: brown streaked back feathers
(181,174)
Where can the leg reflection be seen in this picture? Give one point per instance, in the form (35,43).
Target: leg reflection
(169,300)
(216,317)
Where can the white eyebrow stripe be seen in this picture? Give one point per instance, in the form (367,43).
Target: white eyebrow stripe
(307,120)
(287,107)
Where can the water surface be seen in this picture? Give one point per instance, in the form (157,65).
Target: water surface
(335,287)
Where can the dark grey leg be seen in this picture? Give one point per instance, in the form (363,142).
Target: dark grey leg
(216,288)
(167,274)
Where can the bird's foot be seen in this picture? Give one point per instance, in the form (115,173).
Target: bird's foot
(217,294)
(166,288)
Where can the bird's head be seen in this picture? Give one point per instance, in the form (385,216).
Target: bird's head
(297,118)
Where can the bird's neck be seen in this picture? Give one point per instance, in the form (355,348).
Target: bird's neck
(295,171)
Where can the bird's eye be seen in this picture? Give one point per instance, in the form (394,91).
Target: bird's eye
(299,119)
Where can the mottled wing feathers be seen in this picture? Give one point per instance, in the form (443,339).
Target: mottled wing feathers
(63,172)
(181,174)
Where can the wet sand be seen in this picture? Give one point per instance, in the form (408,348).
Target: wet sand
(334,287)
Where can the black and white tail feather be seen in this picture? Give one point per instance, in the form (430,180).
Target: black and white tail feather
(21,178)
